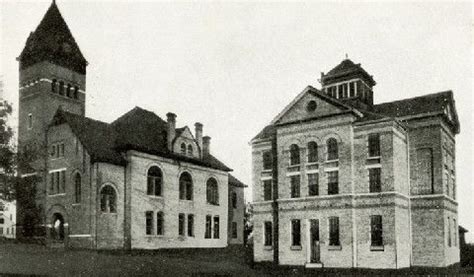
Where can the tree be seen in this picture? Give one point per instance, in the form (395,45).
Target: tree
(7,154)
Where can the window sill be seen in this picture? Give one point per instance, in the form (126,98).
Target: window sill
(57,194)
(296,247)
(155,196)
(334,247)
(268,247)
(267,171)
(373,157)
(186,200)
(331,161)
(377,248)
(76,204)
(212,204)
(312,163)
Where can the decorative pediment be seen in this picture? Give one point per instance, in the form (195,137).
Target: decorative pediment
(309,104)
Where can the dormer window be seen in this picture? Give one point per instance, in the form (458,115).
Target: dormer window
(183,148)
(53,86)
(190,150)
(352,90)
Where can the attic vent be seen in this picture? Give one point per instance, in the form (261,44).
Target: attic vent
(311,106)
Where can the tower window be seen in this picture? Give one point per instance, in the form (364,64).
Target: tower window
(352,89)
(183,148)
(190,150)
(61,88)
(76,92)
(69,90)
(53,86)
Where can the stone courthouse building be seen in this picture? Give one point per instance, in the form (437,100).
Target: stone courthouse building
(339,181)
(139,182)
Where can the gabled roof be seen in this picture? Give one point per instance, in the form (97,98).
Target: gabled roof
(236,182)
(98,138)
(138,129)
(429,104)
(346,68)
(52,41)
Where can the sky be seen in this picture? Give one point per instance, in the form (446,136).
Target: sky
(235,65)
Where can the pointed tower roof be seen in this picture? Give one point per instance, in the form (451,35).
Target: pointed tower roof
(52,41)
(346,69)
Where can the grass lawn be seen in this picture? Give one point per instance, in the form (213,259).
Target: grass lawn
(39,260)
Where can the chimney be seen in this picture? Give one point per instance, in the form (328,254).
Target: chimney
(198,131)
(206,145)
(171,118)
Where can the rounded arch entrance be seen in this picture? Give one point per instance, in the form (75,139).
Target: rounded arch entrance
(58,227)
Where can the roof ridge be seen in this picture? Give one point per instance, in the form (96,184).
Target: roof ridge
(82,117)
(416,97)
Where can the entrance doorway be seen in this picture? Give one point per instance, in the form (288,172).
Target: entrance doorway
(57,230)
(314,241)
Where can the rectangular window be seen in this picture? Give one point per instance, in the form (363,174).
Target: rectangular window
(53,150)
(267,190)
(2,220)
(58,181)
(267,160)
(234,230)
(374,180)
(268,233)
(295,186)
(181,224)
(376,230)
(455,232)
(216,227)
(190,225)
(61,148)
(63,181)
(208,232)
(159,223)
(333,182)
(51,183)
(334,231)
(295,232)
(313,184)
(149,222)
(374,145)
(449,232)
(352,89)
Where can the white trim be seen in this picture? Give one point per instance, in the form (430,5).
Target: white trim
(57,194)
(80,236)
(58,170)
(293,173)
(369,166)
(331,169)
(28,175)
(313,171)
(264,178)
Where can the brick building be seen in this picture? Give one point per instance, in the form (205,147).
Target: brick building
(339,181)
(138,182)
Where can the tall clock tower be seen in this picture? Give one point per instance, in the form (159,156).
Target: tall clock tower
(52,76)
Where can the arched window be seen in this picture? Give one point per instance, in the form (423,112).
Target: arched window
(160,221)
(333,153)
(154,181)
(183,148)
(108,199)
(190,150)
(61,88)
(234,200)
(68,91)
(312,152)
(294,154)
(212,192)
(53,86)
(185,187)
(77,188)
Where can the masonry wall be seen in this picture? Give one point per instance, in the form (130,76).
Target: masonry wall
(262,212)
(110,226)
(78,216)
(170,204)
(236,215)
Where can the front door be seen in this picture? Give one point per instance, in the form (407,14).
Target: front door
(58,228)
(314,241)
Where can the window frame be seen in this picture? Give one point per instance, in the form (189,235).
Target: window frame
(334,234)
(376,232)
(295,187)
(186,187)
(110,204)
(333,187)
(313,189)
(295,158)
(267,193)
(154,182)
(375,179)
(149,223)
(160,223)
(373,144)
(216,229)
(296,233)
(190,225)
(312,156)
(212,191)
(332,147)
(181,224)
(267,237)
(77,188)
(208,227)
(267,160)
